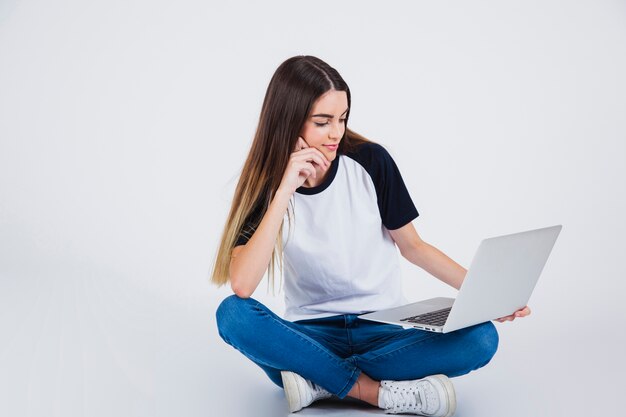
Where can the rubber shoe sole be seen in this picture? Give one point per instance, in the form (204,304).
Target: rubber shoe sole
(449,389)
(292,391)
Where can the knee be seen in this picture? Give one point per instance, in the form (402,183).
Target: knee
(484,342)
(230,314)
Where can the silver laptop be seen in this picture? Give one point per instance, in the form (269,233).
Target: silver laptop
(499,282)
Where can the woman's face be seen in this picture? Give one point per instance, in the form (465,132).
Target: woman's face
(327,123)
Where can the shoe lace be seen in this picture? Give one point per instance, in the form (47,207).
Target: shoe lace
(411,399)
(318,391)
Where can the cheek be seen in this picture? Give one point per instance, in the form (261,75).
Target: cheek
(314,136)
(308,132)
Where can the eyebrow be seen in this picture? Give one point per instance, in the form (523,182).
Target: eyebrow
(330,116)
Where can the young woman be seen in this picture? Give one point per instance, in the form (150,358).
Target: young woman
(346,209)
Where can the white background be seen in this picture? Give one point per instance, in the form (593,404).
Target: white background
(123,129)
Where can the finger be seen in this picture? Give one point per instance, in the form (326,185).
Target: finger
(300,144)
(320,154)
(303,169)
(312,154)
(304,142)
(315,160)
(309,168)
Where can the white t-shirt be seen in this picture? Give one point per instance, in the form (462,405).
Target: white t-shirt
(339,257)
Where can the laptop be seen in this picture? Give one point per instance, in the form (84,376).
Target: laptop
(499,282)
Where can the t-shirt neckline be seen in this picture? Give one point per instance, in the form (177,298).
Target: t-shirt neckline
(334,165)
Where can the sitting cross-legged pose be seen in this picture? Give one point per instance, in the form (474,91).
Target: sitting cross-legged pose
(331,209)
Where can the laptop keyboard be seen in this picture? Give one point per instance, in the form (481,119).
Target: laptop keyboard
(434,318)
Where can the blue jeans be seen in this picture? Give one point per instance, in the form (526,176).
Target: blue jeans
(333,351)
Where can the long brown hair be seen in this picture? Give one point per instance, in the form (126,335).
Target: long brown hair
(295,86)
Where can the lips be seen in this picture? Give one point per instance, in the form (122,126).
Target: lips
(332,147)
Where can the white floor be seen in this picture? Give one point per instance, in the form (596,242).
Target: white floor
(94,347)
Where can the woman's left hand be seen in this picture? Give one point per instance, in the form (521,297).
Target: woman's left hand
(523,312)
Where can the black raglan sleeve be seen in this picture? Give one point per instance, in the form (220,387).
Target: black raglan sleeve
(394,201)
(249,226)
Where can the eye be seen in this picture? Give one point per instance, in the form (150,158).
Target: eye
(324,124)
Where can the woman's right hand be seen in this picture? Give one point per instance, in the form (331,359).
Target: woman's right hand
(301,165)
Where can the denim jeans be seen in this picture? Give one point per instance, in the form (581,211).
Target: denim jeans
(333,351)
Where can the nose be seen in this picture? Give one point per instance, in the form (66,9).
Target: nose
(336,131)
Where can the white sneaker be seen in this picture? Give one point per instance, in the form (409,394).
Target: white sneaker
(301,392)
(430,396)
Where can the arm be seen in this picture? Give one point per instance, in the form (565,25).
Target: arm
(427,257)
(249,262)
(435,262)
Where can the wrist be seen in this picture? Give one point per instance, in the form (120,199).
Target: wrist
(283,193)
